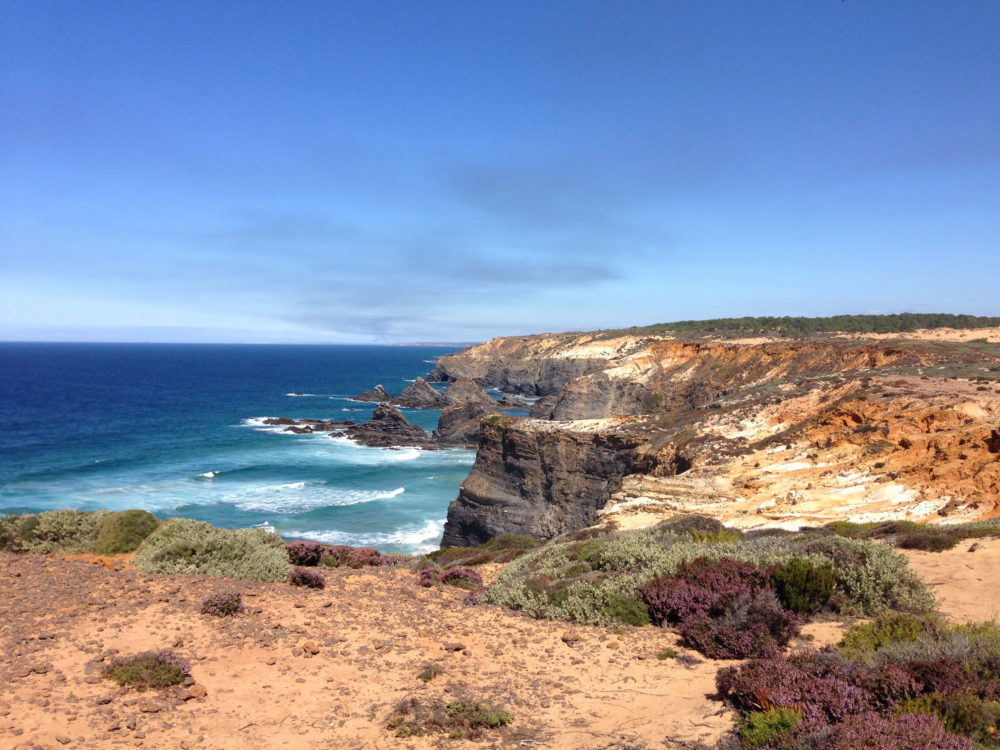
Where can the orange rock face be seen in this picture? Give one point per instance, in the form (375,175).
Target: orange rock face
(766,432)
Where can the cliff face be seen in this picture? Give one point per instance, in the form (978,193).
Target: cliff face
(541,479)
(755,433)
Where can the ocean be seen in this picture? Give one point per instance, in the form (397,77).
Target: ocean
(176,429)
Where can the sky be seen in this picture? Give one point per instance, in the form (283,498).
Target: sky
(359,172)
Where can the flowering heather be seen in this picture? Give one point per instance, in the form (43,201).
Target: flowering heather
(474,597)
(698,587)
(342,555)
(427,577)
(826,688)
(306,577)
(903,732)
(463,578)
(223,604)
(304,553)
(751,625)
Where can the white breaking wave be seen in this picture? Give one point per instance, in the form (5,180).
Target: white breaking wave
(415,539)
(368,455)
(257,424)
(300,395)
(209,474)
(299,497)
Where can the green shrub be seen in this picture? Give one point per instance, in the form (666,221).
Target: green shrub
(181,545)
(963,714)
(625,609)
(862,640)
(759,728)
(150,669)
(511,541)
(124,531)
(871,577)
(802,586)
(460,719)
(479,714)
(666,653)
(54,531)
(929,541)
(429,672)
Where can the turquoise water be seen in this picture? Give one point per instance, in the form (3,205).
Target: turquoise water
(176,430)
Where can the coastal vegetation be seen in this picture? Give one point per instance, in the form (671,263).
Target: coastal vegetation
(899,677)
(181,545)
(798,327)
(148,670)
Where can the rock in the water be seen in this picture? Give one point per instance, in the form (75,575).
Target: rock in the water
(304,426)
(387,427)
(465,390)
(376,394)
(419,395)
(459,423)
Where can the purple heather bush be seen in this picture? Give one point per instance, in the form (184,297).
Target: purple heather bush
(699,586)
(306,577)
(751,625)
(223,604)
(352,557)
(427,577)
(903,732)
(826,688)
(463,578)
(475,597)
(724,608)
(304,553)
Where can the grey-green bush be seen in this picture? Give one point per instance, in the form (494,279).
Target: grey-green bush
(66,531)
(181,545)
(589,581)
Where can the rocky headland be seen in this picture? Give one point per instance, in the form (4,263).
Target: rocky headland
(632,429)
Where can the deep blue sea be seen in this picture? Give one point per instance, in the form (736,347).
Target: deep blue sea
(176,429)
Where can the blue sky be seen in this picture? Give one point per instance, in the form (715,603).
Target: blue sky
(400,171)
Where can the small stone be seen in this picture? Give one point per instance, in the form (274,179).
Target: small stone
(130,722)
(150,707)
(296,651)
(447,647)
(62,739)
(570,638)
(311,647)
(272,661)
(614,645)
(102,700)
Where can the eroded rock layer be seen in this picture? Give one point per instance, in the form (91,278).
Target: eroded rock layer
(776,432)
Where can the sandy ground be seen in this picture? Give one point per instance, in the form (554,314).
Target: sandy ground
(963,579)
(325,669)
(257,684)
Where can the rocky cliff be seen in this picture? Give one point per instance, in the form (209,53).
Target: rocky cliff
(765,432)
(542,478)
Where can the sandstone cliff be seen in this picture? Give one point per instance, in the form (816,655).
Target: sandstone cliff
(766,432)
